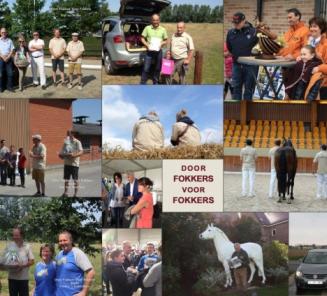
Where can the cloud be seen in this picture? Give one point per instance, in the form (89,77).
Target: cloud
(118,142)
(211,135)
(119,116)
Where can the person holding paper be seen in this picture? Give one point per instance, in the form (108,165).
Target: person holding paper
(240,268)
(154,37)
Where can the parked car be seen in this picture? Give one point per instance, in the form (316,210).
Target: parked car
(312,272)
(121,36)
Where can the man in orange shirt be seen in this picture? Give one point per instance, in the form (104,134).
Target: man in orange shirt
(296,36)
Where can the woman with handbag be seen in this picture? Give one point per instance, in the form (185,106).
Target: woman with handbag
(22,60)
(117,201)
(144,207)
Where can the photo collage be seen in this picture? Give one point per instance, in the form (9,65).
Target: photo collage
(163,147)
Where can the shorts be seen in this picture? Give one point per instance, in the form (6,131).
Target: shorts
(70,171)
(38,175)
(56,63)
(75,66)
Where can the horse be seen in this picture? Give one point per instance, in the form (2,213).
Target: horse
(285,165)
(225,249)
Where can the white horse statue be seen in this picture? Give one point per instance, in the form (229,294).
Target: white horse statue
(225,249)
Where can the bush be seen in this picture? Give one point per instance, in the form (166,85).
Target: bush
(275,255)
(210,282)
(277,275)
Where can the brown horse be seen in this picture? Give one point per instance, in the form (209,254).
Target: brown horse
(285,165)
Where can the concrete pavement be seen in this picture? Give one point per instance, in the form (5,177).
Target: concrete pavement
(89,176)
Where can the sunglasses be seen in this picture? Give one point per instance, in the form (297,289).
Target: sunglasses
(20,41)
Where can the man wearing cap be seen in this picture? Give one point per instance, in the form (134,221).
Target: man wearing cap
(182,49)
(6,62)
(57,47)
(240,41)
(248,157)
(154,37)
(70,153)
(75,50)
(36,47)
(296,36)
(38,155)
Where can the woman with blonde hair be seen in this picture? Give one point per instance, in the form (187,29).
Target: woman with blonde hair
(185,132)
(22,60)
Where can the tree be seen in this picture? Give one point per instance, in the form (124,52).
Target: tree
(245,230)
(5,15)
(43,220)
(83,16)
(26,16)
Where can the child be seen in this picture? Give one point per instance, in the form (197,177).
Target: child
(228,59)
(21,166)
(167,68)
(296,84)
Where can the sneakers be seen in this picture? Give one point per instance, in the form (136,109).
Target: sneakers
(43,87)
(69,85)
(80,87)
(64,195)
(37,194)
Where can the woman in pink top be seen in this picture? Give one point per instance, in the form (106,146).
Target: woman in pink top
(144,207)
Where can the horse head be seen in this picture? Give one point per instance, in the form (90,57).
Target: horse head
(211,232)
(287,143)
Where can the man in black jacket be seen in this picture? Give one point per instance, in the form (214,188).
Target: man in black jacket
(241,258)
(240,41)
(123,281)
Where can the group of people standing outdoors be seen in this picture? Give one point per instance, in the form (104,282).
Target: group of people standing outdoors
(165,61)
(70,272)
(10,160)
(23,55)
(248,156)
(128,269)
(306,45)
(148,132)
(129,205)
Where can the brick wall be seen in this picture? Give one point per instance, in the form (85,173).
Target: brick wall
(274,12)
(95,152)
(51,119)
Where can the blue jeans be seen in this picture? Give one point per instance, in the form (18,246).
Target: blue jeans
(243,75)
(8,67)
(152,58)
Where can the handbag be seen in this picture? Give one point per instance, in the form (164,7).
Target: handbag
(22,61)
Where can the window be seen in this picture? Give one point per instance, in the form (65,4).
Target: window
(273,232)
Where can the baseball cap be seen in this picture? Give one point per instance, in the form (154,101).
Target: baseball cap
(75,34)
(37,137)
(238,17)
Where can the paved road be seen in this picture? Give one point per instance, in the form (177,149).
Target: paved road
(91,81)
(304,192)
(90,183)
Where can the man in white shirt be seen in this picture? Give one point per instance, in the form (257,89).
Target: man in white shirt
(321,161)
(6,61)
(36,47)
(131,189)
(273,176)
(248,157)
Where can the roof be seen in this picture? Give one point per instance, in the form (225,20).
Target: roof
(318,250)
(114,165)
(268,219)
(88,129)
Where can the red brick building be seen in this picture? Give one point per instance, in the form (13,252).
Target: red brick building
(272,12)
(49,118)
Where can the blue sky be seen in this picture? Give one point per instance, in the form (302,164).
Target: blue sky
(301,226)
(123,105)
(114,4)
(88,107)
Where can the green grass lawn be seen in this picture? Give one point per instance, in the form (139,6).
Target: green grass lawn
(208,38)
(96,262)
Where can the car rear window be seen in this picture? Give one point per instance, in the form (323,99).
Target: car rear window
(316,258)
(108,27)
